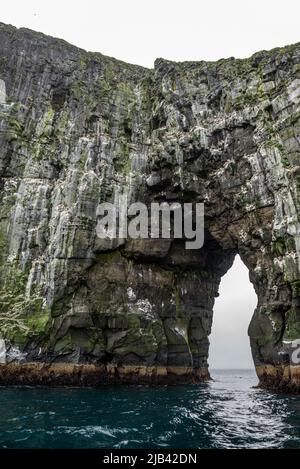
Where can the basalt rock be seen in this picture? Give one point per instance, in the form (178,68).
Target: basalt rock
(78,129)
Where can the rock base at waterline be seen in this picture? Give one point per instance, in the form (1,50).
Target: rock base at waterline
(280,378)
(66,374)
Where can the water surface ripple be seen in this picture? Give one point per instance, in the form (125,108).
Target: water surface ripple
(225,413)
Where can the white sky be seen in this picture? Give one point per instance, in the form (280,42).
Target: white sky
(229,341)
(139,31)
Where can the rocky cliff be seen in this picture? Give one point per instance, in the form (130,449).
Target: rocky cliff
(78,129)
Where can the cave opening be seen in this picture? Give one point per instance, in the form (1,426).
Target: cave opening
(233,310)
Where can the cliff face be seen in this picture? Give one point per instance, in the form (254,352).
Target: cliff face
(78,129)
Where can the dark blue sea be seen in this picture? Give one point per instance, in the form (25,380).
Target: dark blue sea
(228,412)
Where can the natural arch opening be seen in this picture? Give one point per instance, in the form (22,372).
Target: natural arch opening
(233,310)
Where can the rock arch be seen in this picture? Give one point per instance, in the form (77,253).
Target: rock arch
(223,133)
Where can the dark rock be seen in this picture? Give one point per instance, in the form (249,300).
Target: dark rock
(78,129)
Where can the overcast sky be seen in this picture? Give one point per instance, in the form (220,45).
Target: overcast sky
(229,341)
(139,31)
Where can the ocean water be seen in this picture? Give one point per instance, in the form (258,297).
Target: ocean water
(225,413)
